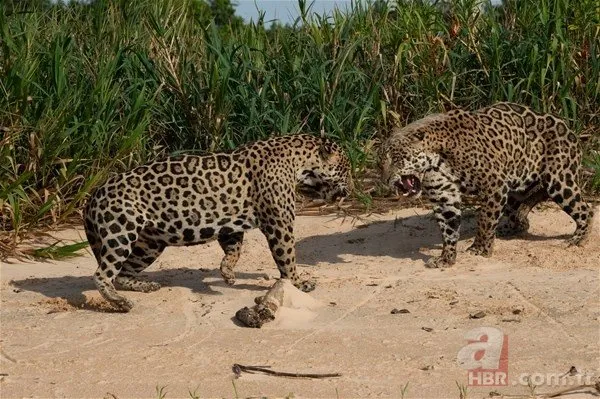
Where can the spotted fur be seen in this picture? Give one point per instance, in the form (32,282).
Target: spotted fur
(191,200)
(507,154)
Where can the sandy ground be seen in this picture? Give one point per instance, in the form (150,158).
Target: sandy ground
(58,339)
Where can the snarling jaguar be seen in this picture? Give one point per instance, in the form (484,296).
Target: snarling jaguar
(507,154)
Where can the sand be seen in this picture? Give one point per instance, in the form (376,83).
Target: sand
(60,339)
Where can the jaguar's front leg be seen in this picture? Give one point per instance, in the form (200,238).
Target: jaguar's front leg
(444,191)
(489,216)
(282,244)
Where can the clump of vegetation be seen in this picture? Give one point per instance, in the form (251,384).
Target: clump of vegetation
(92,88)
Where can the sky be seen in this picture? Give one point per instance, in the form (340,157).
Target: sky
(286,11)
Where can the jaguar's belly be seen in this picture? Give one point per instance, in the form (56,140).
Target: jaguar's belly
(182,233)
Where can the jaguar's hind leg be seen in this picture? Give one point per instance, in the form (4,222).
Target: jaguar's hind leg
(110,267)
(516,210)
(112,241)
(109,254)
(144,253)
(566,193)
(232,246)
(131,282)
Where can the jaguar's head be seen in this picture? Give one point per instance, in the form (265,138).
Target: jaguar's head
(405,157)
(328,173)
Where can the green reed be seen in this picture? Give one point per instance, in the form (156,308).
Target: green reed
(89,90)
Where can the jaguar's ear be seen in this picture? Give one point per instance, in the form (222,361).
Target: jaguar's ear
(325,150)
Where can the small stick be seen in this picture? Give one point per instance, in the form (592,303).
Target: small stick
(238,369)
(564,391)
(559,393)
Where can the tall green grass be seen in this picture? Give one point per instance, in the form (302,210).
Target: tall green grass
(88,90)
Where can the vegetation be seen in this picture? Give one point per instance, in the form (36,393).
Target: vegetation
(88,89)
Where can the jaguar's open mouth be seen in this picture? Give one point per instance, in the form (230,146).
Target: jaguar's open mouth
(408,185)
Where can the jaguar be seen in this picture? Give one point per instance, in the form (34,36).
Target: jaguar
(507,154)
(191,199)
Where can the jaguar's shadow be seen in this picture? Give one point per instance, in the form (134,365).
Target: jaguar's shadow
(400,238)
(71,288)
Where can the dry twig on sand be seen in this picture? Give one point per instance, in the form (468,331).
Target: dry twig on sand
(596,386)
(595,390)
(238,369)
